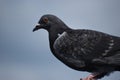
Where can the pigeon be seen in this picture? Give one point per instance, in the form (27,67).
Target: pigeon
(82,49)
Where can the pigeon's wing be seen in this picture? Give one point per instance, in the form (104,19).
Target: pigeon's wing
(85,46)
(64,49)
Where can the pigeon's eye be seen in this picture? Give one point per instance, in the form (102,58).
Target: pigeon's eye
(45,20)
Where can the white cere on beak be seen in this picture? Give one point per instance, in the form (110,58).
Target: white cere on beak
(58,34)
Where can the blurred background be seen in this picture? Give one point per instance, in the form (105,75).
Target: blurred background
(25,55)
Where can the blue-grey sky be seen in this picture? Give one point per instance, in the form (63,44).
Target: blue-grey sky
(25,55)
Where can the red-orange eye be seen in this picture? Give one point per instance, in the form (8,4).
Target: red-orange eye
(45,20)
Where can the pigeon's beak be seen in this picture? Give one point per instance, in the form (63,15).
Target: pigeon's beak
(38,26)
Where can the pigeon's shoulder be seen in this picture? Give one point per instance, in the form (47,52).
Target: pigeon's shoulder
(76,43)
(64,47)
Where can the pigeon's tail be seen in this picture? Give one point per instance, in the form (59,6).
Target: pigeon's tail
(115,60)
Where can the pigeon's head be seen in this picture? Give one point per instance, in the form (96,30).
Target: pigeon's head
(50,22)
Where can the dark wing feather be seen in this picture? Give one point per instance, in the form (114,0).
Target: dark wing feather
(111,56)
(86,46)
(64,48)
